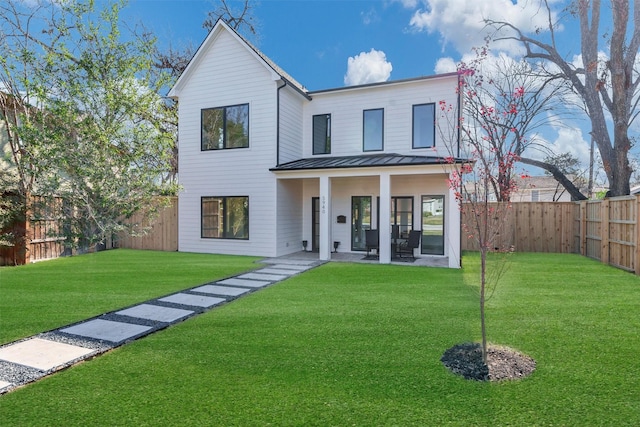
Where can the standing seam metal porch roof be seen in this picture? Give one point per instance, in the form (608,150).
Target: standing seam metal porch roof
(363,161)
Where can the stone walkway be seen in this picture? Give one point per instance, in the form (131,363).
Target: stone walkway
(32,358)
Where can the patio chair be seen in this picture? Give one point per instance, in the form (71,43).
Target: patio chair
(372,238)
(413,242)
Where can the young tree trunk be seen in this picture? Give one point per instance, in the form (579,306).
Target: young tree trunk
(483,270)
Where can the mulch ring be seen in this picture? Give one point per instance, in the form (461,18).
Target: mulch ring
(503,363)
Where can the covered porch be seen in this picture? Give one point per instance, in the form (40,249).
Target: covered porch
(333,201)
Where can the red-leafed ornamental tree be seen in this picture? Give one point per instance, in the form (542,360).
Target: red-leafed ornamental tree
(491,128)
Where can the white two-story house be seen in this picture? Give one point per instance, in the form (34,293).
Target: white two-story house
(266,165)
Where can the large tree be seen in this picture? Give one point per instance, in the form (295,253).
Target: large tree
(505,107)
(87,117)
(606,84)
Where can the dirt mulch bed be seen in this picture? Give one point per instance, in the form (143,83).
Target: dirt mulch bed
(503,363)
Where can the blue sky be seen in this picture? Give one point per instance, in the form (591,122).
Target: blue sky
(310,39)
(332,43)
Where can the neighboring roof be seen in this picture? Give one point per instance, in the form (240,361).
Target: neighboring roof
(219,26)
(363,161)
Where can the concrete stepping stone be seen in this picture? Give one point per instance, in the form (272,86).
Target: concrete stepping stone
(244,282)
(107,330)
(258,276)
(155,312)
(220,290)
(4,384)
(292,267)
(192,300)
(42,354)
(296,262)
(277,271)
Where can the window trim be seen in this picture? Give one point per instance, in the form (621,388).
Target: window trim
(364,142)
(413,125)
(313,145)
(224,128)
(224,199)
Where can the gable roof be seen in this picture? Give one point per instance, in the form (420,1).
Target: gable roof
(220,26)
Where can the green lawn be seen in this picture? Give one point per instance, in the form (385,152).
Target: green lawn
(38,297)
(353,344)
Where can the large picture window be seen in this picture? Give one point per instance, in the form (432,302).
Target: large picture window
(373,129)
(225,217)
(424,126)
(225,127)
(322,134)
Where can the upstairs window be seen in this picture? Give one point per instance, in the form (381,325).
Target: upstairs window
(424,125)
(373,130)
(225,217)
(225,127)
(322,134)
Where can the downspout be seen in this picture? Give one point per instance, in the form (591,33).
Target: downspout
(284,83)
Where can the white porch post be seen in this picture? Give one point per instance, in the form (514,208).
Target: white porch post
(325,218)
(453,231)
(385,218)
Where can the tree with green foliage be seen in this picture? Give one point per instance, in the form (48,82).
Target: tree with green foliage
(88,115)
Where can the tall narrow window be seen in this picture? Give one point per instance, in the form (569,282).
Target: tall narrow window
(225,217)
(432,225)
(225,127)
(401,217)
(322,134)
(373,130)
(424,126)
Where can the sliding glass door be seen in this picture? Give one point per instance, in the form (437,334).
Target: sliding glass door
(401,216)
(433,225)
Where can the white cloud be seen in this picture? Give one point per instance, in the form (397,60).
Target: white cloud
(461,22)
(568,139)
(367,67)
(370,16)
(446,65)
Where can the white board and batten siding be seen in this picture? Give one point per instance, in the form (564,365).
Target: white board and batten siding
(346,107)
(292,106)
(228,74)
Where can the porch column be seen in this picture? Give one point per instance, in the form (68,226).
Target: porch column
(385,218)
(453,232)
(325,218)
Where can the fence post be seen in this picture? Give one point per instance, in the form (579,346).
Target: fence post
(636,236)
(583,228)
(604,231)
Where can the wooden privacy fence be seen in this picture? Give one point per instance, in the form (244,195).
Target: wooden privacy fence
(42,228)
(606,230)
(162,233)
(45,238)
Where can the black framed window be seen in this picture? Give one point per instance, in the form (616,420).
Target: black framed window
(424,125)
(225,217)
(433,221)
(373,130)
(401,216)
(225,127)
(322,134)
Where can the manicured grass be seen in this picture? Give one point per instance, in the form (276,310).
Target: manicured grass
(349,344)
(38,297)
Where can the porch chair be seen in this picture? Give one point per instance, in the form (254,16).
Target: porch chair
(413,242)
(372,238)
